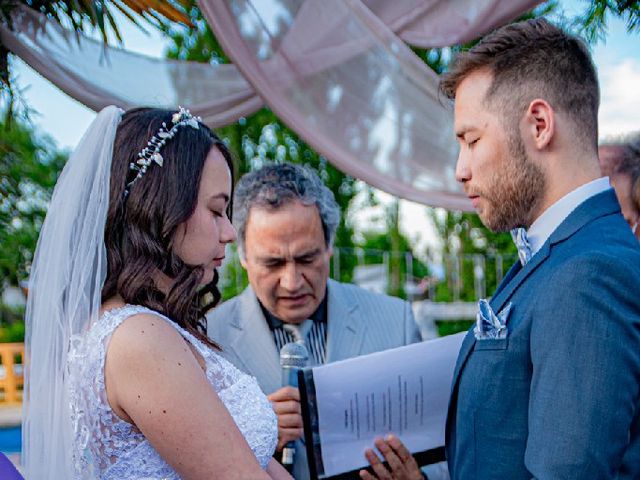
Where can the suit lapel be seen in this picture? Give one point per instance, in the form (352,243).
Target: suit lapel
(252,343)
(520,274)
(600,205)
(515,268)
(345,328)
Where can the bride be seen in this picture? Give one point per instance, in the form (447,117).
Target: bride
(121,382)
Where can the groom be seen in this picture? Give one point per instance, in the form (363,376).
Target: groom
(547,384)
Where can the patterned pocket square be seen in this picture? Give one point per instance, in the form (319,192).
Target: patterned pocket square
(488,324)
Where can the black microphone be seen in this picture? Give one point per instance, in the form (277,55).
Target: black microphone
(293,357)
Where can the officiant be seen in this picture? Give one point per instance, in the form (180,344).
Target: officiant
(286,220)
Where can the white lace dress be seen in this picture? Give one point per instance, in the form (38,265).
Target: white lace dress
(108,448)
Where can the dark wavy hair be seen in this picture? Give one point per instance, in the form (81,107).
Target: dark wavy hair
(141,226)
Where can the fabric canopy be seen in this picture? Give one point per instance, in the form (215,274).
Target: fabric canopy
(338,72)
(97,75)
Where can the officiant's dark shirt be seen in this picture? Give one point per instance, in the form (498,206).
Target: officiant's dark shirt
(316,338)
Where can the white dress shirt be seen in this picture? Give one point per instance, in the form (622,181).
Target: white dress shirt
(552,217)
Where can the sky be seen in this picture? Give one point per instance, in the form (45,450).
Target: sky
(617,59)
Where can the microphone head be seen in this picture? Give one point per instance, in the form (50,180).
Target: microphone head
(294,355)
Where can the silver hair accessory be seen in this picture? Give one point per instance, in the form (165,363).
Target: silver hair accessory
(151,153)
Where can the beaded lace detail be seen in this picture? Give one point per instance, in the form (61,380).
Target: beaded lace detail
(108,448)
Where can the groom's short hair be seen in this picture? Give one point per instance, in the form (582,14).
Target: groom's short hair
(534,59)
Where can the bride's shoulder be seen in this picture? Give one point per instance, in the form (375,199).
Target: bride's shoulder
(145,349)
(144,332)
(146,358)
(147,339)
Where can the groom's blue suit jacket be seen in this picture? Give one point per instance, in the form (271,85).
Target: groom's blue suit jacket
(559,398)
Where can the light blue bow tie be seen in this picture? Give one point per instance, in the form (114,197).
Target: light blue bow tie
(521,240)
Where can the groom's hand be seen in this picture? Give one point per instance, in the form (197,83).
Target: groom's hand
(401,464)
(286,404)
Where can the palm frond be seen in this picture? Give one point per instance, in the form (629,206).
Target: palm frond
(91,15)
(82,15)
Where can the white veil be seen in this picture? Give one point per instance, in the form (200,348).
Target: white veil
(66,279)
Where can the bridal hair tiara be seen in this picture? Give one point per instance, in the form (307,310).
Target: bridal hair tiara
(151,153)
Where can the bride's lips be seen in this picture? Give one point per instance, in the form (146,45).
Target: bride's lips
(218,261)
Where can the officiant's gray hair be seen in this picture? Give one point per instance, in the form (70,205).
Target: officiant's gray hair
(276,185)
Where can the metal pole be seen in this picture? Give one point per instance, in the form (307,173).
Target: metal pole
(238,268)
(457,277)
(386,263)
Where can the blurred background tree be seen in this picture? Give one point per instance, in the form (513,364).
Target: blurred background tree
(29,161)
(29,167)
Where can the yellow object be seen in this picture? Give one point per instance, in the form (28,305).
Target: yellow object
(11,373)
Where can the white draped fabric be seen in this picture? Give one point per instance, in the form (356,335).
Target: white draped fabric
(338,72)
(99,76)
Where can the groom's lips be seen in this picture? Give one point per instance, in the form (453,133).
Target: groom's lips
(475,200)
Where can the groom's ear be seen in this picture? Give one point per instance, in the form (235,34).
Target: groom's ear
(539,124)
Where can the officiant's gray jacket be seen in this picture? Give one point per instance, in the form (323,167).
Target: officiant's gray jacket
(358,322)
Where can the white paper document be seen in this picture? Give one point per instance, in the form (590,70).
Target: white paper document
(404,391)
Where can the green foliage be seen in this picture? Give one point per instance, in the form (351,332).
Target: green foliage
(197,44)
(11,324)
(10,315)
(592,23)
(12,333)
(464,233)
(450,327)
(233,278)
(29,168)
(464,236)
(343,263)
(391,247)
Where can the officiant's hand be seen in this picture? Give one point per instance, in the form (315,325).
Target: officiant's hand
(401,464)
(286,404)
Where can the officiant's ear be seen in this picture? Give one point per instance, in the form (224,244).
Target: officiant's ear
(539,124)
